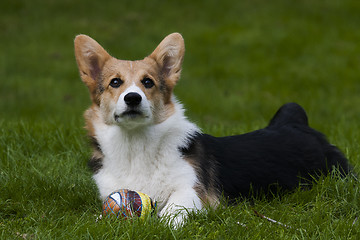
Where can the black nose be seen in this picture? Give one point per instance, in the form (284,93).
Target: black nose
(132,99)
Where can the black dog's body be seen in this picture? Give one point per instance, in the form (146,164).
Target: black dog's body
(281,156)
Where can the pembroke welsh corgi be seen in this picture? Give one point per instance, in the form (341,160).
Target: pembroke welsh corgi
(142,140)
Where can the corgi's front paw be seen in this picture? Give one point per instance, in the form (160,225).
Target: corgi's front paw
(174,218)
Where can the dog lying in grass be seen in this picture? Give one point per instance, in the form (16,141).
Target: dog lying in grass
(142,140)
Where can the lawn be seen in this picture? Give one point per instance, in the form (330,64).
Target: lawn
(243,60)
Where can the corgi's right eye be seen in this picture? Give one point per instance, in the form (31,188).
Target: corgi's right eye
(116,82)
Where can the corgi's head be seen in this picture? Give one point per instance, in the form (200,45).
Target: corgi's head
(131,93)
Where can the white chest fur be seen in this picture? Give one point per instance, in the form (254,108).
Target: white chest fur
(147,159)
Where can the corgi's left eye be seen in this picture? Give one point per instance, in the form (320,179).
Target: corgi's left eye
(116,82)
(147,82)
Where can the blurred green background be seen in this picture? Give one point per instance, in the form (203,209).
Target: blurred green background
(243,60)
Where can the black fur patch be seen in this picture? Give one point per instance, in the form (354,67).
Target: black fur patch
(95,144)
(95,164)
(281,156)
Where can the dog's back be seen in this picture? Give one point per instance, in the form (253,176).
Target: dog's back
(294,115)
(281,156)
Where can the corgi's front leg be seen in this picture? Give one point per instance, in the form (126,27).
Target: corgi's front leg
(180,203)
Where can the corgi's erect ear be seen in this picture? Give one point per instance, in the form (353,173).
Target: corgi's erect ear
(90,58)
(169,54)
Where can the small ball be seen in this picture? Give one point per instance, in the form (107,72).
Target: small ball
(126,204)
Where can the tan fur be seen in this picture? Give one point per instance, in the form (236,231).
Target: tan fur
(210,198)
(97,68)
(91,117)
(210,195)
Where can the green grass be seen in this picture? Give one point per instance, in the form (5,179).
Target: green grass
(243,60)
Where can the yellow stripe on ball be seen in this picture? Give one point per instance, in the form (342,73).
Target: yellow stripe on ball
(146,204)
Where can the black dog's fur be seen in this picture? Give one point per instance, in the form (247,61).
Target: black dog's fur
(281,156)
